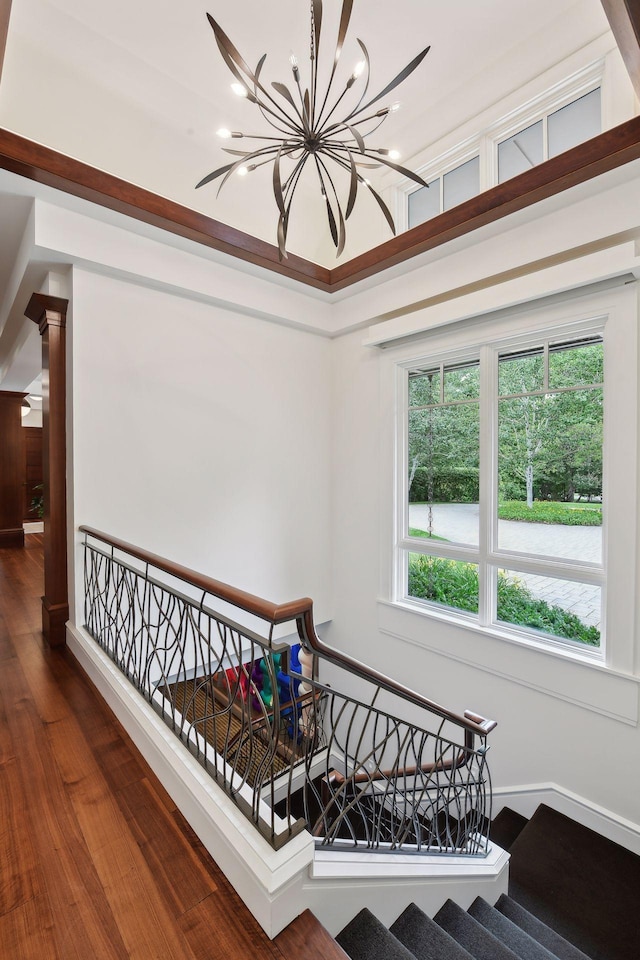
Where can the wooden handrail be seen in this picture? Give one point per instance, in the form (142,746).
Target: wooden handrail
(273,613)
(472,722)
(302,612)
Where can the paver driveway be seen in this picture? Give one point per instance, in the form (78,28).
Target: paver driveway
(459,522)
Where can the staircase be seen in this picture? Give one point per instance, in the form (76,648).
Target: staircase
(573,895)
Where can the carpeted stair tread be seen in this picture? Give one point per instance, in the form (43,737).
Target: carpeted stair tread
(555,943)
(523,945)
(579,883)
(470,934)
(507,827)
(366,938)
(424,938)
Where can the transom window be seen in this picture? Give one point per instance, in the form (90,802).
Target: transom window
(516,147)
(503,493)
(551,135)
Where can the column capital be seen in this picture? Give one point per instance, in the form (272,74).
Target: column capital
(47,311)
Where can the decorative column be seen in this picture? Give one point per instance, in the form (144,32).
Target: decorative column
(11,470)
(50,313)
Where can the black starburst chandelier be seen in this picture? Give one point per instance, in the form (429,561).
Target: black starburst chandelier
(306,130)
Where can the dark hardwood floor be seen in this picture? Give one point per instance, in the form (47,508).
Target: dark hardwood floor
(95,860)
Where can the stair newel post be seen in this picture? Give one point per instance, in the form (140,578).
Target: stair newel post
(50,313)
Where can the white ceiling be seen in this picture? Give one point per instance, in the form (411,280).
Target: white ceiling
(139,89)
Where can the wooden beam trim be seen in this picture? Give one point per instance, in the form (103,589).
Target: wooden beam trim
(5,15)
(43,165)
(624,20)
(603,153)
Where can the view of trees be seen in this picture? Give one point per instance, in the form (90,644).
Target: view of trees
(550,445)
(549,439)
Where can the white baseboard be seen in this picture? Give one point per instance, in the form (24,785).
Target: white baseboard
(525,799)
(33,526)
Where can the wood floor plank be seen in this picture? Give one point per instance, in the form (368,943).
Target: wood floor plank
(307,937)
(68,874)
(18,877)
(177,870)
(27,932)
(115,853)
(96,862)
(217,931)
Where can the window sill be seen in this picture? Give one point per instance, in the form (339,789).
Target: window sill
(572,676)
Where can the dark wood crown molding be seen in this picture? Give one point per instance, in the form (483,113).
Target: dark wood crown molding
(624,20)
(5,13)
(609,150)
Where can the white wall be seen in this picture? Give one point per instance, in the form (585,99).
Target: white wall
(203,436)
(567,723)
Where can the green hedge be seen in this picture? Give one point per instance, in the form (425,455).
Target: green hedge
(455,584)
(541,511)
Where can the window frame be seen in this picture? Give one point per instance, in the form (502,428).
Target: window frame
(613,315)
(485,142)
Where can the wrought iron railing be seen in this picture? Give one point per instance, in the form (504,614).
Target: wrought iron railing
(360,761)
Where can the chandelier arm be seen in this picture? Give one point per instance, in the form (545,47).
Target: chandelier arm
(399,169)
(289,186)
(342,232)
(235,63)
(228,169)
(408,70)
(333,109)
(345,16)
(282,118)
(385,209)
(308,123)
(344,125)
(323,128)
(293,128)
(335,147)
(284,91)
(283,219)
(260,136)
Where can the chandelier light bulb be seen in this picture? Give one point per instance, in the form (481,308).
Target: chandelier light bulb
(223,133)
(395,107)
(314,123)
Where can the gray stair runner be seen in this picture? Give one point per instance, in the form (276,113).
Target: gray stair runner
(366,937)
(424,938)
(582,887)
(523,945)
(558,946)
(504,932)
(481,944)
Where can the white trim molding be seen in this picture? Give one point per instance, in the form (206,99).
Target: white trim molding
(526,798)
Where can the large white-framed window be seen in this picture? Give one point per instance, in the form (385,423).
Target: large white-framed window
(498,414)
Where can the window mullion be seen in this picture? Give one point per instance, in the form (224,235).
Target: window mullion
(488,482)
